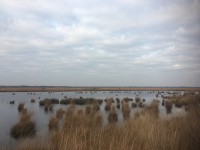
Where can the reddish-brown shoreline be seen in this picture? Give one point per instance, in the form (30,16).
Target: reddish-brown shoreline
(70,89)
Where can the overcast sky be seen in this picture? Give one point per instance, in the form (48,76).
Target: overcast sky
(100,42)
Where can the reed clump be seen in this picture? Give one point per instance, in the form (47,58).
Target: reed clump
(127,99)
(81,101)
(65,101)
(41,103)
(168,106)
(151,109)
(109,100)
(184,100)
(20,107)
(125,110)
(88,110)
(95,108)
(112,117)
(108,104)
(48,101)
(118,106)
(59,113)
(53,123)
(80,112)
(134,105)
(32,100)
(48,107)
(140,104)
(137,99)
(51,107)
(74,122)
(12,102)
(178,104)
(117,100)
(25,127)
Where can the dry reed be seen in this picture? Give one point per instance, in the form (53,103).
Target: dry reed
(144,132)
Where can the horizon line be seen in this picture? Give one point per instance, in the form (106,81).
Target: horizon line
(69,86)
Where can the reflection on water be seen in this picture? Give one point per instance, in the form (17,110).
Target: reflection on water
(9,113)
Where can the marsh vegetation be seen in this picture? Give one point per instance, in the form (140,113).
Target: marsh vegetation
(80,124)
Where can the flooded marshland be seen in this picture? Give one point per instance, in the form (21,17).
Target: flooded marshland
(108,102)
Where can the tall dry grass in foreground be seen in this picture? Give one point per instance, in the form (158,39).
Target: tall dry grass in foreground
(145,132)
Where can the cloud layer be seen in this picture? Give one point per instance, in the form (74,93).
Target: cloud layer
(100,43)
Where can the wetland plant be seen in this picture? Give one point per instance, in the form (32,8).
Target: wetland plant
(80,112)
(95,108)
(87,110)
(141,105)
(12,102)
(127,99)
(134,105)
(109,100)
(108,104)
(178,103)
(137,99)
(145,131)
(20,107)
(168,106)
(53,123)
(107,107)
(32,100)
(118,105)
(117,100)
(51,107)
(25,127)
(59,113)
(48,101)
(112,117)
(41,103)
(65,101)
(152,109)
(163,102)
(71,111)
(125,110)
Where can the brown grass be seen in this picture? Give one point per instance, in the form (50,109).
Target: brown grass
(71,110)
(53,123)
(25,127)
(144,132)
(125,110)
(20,107)
(87,110)
(95,108)
(141,104)
(134,105)
(137,99)
(112,117)
(108,104)
(184,100)
(80,112)
(59,113)
(25,116)
(151,109)
(168,106)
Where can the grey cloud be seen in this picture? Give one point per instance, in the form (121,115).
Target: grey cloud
(121,42)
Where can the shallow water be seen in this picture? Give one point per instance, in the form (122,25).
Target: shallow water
(9,114)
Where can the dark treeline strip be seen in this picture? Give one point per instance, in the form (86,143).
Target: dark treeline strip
(72,89)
